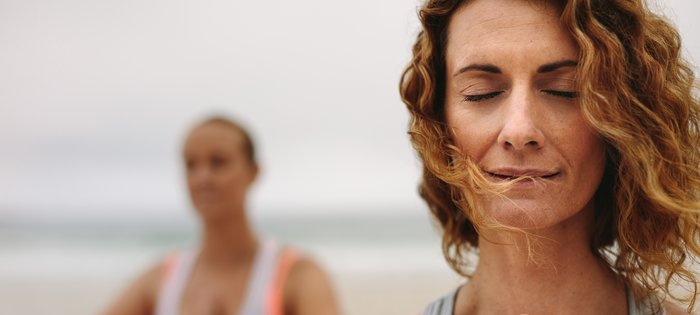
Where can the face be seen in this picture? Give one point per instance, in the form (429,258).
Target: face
(511,103)
(218,171)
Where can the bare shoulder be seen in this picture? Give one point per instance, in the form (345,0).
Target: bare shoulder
(150,280)
(308,270)
(139,297)
(308,289)
(672,308)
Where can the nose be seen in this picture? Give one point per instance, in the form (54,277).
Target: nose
(199,177)
(520,129)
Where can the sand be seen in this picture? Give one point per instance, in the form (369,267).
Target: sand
(359,294)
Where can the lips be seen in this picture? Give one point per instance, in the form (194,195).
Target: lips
(514,173)
(205,197)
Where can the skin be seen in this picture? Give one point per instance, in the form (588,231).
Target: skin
(510,101)
(219,175)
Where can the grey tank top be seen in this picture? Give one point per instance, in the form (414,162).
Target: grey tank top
(446,305)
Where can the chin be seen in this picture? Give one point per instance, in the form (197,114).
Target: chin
(526,214)
(207,211)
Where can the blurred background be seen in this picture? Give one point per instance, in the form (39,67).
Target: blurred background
(96,96)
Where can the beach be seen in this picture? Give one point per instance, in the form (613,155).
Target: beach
(358,294)
(381,266)
(377,265)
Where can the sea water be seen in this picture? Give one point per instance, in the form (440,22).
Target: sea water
(77,267)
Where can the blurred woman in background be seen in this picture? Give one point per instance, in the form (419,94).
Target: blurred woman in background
(560,144)
(233,271)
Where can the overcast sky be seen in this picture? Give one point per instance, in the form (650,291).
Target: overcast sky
(95,97)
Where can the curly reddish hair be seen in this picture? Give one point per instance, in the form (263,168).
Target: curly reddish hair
(637,92)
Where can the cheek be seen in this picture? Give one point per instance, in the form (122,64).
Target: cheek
(586,149)
(473,136)
(585,152)
(192,182)
(235,180)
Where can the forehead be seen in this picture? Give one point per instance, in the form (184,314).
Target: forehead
(215,136)
(483,28)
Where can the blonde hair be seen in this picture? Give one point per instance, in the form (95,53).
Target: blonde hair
(636,92)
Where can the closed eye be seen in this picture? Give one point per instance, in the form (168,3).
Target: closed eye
(565,94)
(481,97)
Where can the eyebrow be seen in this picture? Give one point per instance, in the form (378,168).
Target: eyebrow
(477,67)
(550,67)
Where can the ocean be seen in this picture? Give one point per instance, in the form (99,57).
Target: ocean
(79,267)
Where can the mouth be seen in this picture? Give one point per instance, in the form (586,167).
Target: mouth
(513,174)
(205,197)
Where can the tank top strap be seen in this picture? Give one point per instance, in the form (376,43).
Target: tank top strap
(650,306)
(262,275)
(442,306)
(176,272)
(275,295)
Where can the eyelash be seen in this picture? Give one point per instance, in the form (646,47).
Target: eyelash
(483,97)
(565,94)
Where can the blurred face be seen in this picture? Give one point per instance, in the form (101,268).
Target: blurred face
(511,102)
(218,171)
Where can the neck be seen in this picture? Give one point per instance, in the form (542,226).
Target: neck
(227,240)
(563,276)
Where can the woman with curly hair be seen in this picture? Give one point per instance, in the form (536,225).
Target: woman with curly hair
(560,142)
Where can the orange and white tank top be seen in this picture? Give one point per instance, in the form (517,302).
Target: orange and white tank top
(264,292)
